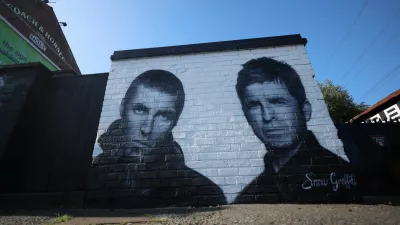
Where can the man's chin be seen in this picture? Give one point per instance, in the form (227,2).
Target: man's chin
(278,148)
(137,148)
(141,144)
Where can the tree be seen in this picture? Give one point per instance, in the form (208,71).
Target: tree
(340,103)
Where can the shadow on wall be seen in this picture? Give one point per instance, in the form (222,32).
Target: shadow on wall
(108,213)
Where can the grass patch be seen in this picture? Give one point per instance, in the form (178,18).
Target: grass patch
(158,220)
(126,223)
(61,219)
(155,219)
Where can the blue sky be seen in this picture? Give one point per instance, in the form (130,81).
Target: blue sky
(98,28)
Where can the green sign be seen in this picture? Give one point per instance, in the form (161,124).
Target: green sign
(14,49)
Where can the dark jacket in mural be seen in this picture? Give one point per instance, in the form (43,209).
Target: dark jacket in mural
(313,172)
(138,178)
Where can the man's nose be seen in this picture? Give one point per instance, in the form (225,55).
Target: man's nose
(267,114)
(147,125)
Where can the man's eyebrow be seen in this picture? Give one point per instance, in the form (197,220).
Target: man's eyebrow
(275,96)
(166,111)
(252,100)
(141,105)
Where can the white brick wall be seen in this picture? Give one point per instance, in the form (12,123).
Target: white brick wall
(212,131)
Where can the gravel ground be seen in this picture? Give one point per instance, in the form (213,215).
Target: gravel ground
(24,220)
(232,214)
(292,214)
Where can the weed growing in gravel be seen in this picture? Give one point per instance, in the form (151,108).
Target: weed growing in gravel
(158,220)
(61,219)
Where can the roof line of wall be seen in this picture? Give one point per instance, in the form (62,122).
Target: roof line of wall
(295,39)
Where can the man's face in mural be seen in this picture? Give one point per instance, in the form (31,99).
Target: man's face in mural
(151,114)
(275,115)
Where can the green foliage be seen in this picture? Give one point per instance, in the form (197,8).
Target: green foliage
(340,103)
(62,219)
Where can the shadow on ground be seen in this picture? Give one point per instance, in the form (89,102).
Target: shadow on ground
(113,213)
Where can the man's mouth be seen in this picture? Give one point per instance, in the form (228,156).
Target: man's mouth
(274,132)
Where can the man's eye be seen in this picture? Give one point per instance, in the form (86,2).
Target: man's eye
(140,110)
(252,105)
(165,117)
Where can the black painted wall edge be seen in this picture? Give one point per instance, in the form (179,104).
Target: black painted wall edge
(11,67)
(211,47)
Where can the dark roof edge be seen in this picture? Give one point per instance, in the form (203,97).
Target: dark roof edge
(386,102)
(67,71)
(74,75)
(96,74)
(294,39)
(11,67)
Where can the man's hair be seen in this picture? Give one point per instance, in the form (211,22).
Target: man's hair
(270,70)
(161,80)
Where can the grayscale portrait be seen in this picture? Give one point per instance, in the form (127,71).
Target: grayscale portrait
(150,109)
(274,103)
(143,160)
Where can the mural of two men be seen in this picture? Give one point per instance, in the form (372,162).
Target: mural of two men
(274,103)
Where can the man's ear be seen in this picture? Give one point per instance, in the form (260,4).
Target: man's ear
(175,121)
(122,107)
(307,110)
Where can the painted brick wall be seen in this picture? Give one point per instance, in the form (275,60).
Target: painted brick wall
(212,131)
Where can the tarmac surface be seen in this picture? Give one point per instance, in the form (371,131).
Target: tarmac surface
(229,214)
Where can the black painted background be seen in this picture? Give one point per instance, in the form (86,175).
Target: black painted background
(51,145)
(14,87)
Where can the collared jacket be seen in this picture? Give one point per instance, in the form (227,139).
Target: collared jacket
(313,174)
(129,177)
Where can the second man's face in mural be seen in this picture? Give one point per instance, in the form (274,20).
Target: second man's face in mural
(274,114)
(150,114)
